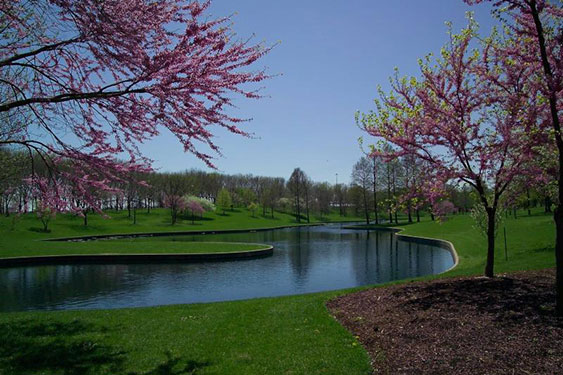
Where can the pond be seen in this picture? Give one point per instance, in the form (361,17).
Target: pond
(305,260)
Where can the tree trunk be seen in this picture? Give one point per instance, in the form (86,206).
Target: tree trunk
(307,203)
(85,213)
(298,208)
(375,206)
(409,211)
(417,216)
(375,191)
(559,142)
(135,215)
(558,215)
(528,204)
(547,204)
(366,209)
(489,268)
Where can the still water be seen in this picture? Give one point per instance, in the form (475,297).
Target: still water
(305,260)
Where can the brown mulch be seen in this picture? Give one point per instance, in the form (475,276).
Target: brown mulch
(472,325)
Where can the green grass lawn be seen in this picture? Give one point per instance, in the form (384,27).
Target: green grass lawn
(284,335)
(23,237)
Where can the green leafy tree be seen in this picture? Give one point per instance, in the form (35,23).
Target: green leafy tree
(224,200)
(252,207)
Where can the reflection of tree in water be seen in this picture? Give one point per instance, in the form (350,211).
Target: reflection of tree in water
(381,256)
(299,255)
(36,287)
(366,258)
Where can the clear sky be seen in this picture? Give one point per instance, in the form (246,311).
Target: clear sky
(331,58)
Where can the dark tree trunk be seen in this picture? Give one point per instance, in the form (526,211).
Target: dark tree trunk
(417,216)
(307,203)
(559,258)
(375,191)
(298,208)
(559,142)
(489,268)
(375,206)
(528,204)
(409,212)
(366,209)
(547,204)
(396,218)
(85,213)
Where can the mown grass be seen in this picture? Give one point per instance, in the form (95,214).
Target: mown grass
(284,335)
(23,236)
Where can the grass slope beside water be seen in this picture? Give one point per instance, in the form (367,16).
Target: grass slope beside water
(285,335)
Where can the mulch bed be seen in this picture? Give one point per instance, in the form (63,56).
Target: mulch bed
(473,325)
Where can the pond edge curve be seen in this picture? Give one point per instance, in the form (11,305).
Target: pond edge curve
(268,250)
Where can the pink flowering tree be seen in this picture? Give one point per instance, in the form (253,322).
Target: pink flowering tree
(467,118)
(535,27)
(176,204)
(196,208)
(94,79)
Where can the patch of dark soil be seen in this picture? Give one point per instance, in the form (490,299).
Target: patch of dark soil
(476,325)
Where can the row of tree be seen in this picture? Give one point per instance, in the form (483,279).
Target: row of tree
(380,190)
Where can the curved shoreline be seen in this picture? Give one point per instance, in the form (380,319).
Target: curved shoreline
(444,244)
(136,258)
(116,236)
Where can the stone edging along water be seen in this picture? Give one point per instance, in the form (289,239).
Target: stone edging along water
(444,244)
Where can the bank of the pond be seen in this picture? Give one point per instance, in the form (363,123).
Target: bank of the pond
(293,335)
(198,254)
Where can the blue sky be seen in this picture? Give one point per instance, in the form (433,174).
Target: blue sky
(331,58)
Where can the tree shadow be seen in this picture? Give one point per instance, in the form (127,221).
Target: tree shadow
(66,348)
(509,301)
(543,249)
(39,230)
(72,348)
(175,366)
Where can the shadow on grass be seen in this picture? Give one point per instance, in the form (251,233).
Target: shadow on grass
(543,249)
(39,230)
(72,348)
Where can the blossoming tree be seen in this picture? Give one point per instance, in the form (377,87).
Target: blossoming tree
(535,27)
(94,79)
(468,118)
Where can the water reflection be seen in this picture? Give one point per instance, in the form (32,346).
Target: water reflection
(305,260)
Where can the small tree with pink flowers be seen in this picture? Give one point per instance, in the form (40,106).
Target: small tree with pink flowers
(195,208)
(176,204)
(468,118)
